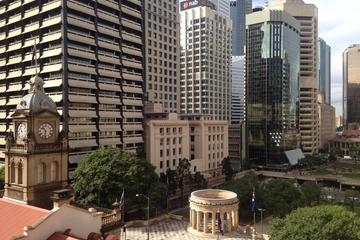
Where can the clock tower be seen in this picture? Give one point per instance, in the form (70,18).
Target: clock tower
(36,157)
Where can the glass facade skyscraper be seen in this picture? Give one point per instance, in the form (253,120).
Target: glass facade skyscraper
(238,11)
(351,84)
(324,65)
(272,82)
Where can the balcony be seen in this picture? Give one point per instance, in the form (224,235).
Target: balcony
(31,12)
(108,16)
(14,5)
(131,37)
(51,5)
(131,11)
(81,7)
(137,2)
(81,22)
(81,38)
(82,97)
(13,19)
(81,52)
(110,3)
(132,76)
(109,45)
(82,68)
(132,51)
(131,24)
(51,21)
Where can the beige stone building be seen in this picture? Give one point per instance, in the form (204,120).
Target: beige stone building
(171,137)
(206,58)
(327,122)
(307,16)
(162,53)
(36,155)
(90,55)
(351,84)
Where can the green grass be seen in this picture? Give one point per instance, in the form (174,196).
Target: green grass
(322,172)
(347,165)
(355,176)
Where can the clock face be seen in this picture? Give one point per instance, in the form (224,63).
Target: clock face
(21,131)
(46,130)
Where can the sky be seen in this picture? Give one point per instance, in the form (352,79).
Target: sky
(339,27)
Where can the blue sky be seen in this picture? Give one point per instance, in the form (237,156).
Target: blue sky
(339,26)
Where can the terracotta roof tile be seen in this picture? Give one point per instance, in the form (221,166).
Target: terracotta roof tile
(60,236)
(15,216)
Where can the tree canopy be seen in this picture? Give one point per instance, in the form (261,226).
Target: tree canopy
(227,169)
(244,188)
(312,193)
(2,177)
(326,222)
(102,175)
(281,196)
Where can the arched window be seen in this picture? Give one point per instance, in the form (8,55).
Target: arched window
(53,171)
(40,173)
(12,172)
(20,173)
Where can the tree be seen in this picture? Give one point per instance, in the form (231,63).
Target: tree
(183,173)
(351,197)
(102,175)
(326,222)
(244,188)
(281,197)
(311,192)
(169,179)
(227,169)
(199,180)
(311,161)
(334,153)
(2,177)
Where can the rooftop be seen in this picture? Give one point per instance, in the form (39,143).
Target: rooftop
(15,216)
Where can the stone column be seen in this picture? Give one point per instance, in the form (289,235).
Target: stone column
(198,220)
(213,222)
(191,217)
(222,220)
(205,221)
(229,221)
(236,218)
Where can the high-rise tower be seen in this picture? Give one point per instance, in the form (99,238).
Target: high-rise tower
(238,11)
(90,55)
(351,84)
(324,66)
(307,16)
(205,40)
(162,53)
(272,78)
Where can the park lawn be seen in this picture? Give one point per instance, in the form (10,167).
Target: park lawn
(355,176)
(347,165)
(322,172)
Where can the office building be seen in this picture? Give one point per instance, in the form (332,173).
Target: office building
(327,121)
(205,75)
(324,66)
(351,84)
(238,10)
(238,90)
(90,55)
(307,16)
(162,53)
(222,7)
(272,89)
(171,137)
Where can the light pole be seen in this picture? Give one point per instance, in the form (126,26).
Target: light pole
(261,210)
(148,213)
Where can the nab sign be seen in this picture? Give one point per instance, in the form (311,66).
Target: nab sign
(188,4)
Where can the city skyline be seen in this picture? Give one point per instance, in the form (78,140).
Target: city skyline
(339,32)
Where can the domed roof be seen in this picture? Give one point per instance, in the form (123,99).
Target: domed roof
(36,100)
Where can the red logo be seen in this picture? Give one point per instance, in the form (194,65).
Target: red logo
(186,5)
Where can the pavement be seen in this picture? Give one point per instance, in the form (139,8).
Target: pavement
(171,230)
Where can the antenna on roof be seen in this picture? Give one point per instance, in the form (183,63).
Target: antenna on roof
(34,58)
